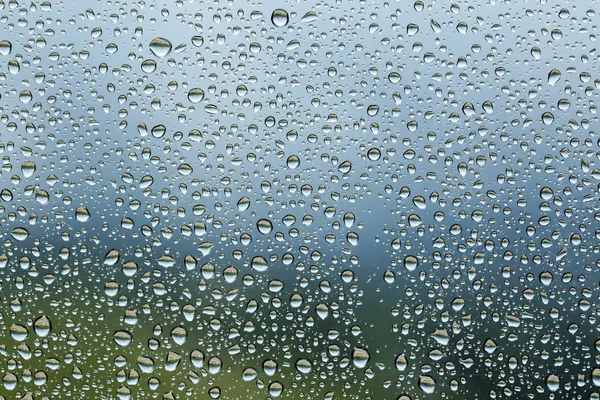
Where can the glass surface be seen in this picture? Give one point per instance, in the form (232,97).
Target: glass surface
(299,200)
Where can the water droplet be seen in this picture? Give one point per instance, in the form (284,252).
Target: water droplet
(596,376)
(122,338)
(360,357)
(249,374)
(547,118)
(553,383)
(42,326)
(112,257)
(269,367)
(243,204)
(160,47)
(148,66)
(373,110)
(145,364)
(20,234)
(196,95)
(309,17)
(345,167)
(10,381)
(264,226)
(293,162)
(5,47)
(18,332)
(411,263)
(401,362)
(374,154)
(82,214)
(394,77)
(304,366)
(490,346)
(197,358)
(553,76)
(427,384)
(28,169)
(275,389)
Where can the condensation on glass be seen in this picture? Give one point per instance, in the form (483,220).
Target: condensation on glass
(320,200)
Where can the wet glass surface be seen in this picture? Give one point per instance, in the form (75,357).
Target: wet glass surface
(320,200)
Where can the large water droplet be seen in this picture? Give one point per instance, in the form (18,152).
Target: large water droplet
(160,47)
(427,384)
(360,357)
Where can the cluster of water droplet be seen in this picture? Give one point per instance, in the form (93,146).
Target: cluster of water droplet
(337,200)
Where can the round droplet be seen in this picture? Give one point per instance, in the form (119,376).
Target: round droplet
(196,95)
(596,376)
(389,276)
(112,257)
(6,195)
(280,18)
(293,162)
(5,47)
(553,383)
(179,335)
(148,66)
(546,278)
(197,358)
(411,263)
(249,374)
(10,381)
(145,364)
(214,365)
(158,131)
(214,392)
(468,109)
(270,367)
(197,41)
(275,389)
(373,110)
(25,96)
(547,118)
(42,326)
(18,332)
(28,169)
(374,154)
(243,203)
(129,268)
(360,357)
(304,366)
(264,226)
(259,264)
(556,34)
(122,338)
(352,238)
(160,47)
(564,104)
(185,169)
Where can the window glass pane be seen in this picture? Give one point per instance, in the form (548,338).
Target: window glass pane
(321,200)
